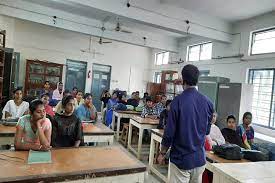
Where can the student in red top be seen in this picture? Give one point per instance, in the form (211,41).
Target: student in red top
(45,99)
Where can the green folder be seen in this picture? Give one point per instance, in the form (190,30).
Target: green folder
(36,157)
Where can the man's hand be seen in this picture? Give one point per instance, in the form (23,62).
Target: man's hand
(161,159)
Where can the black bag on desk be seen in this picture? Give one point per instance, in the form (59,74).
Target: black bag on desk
(254,155)
(228,151)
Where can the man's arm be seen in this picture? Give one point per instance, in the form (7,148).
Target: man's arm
(169,131)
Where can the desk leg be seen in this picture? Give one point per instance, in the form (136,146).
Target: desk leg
(140,143)
(130,135)
(113,121)
(152,153)
(118,128)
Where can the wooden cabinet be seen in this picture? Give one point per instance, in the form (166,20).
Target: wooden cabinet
(168,87)
(37,72)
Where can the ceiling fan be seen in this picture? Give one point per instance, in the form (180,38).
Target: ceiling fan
(103,42)
(100,41)
(90,50)
(119,29)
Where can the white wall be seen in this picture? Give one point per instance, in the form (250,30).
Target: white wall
(37,41)
(233,68)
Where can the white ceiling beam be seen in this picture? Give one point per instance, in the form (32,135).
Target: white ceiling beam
(172,21)
(44,15)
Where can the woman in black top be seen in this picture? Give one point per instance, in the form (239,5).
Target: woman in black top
(66,127)
(105,96)
(230,135)
(164,115)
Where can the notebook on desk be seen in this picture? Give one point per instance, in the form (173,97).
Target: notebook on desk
(36,157)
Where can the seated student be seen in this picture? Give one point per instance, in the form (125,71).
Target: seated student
(161,105)
(58,92)
(74,91)
(33,131)
(46,89)
(112,103)
(58,108)
(164,115)
(17,107)
(149,110)
(230,133)
(133,100)
(245,131)
(215,133)
(67,128)
(87,111)
(105,96)
(122,99)
(78,100)
(45,98)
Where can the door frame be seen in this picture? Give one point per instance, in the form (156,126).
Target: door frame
(71,60)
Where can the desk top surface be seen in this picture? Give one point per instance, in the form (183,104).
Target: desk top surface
(158,132)
(96,129)
(128,112)
(213,158)
(88,129)
(7,129)
(141,120)
(247,172)
(70,163)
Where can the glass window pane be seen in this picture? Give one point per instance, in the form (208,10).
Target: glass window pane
(165,58)
(206,51)
(194,53)
(262,96)
(264,42)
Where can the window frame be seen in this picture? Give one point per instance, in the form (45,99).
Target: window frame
(162,52)
(251,71)
(155,76)
(252,40)
(199,44)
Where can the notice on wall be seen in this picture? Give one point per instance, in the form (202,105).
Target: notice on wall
(96,76)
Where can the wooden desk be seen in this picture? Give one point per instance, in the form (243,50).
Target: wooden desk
(98,133)
(249,172)
(210,156)
(142,124)
(7,134)
(92,133)
(156,137)
(213,159)
(119,115)
(94,164)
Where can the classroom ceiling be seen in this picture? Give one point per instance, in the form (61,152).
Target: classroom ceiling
(230,10)
(101,15)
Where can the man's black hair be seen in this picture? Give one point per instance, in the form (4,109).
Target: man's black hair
(190,75)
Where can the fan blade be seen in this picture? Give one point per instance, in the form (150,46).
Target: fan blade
(126,31)
(106,42)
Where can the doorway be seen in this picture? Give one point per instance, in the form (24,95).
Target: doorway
(76,75)
(100,81)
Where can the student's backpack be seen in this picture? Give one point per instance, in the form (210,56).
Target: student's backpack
(228,151)
(254,155)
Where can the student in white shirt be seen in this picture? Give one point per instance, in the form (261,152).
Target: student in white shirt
(215,133)
(17,107)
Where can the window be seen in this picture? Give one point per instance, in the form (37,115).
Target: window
(204,72)
(200,52)
(157,77)
(263,103)
(263,42)
(162,58)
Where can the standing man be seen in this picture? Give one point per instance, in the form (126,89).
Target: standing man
(189,121)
